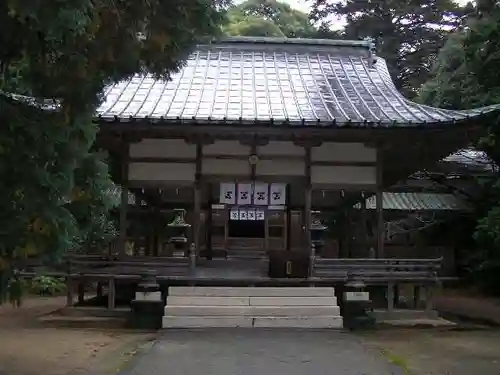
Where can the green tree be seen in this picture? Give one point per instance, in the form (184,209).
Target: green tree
(466,75)
(272,18)
(56,58)
(408,33)
(253,26)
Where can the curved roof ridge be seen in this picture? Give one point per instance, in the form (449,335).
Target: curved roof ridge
(296,41)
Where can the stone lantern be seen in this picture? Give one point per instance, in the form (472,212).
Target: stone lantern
(178,231)
(318,231)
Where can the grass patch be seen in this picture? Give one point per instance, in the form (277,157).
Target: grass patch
(398,361)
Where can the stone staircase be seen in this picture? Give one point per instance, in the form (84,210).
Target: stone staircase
(293,307)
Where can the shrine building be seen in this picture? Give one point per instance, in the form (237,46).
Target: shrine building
(254,134)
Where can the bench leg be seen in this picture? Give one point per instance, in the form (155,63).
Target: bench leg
(396,295)
(69,292)
(111,294)
(416,296)
(81,291)
(428,298)
(390,297)
(99,290)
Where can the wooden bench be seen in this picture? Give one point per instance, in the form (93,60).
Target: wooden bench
(422,273)
(129,265)
(373,271)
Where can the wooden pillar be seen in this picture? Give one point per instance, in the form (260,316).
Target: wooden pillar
(155,239)
(209,223)
(197,203)
(348,233)
(380,206)
(288,218)
(364,232)
(124,200)
(308,208)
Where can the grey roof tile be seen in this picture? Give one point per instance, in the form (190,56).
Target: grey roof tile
(291,81)
(417,202)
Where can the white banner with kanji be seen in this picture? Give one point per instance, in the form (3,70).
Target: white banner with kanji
(244,194)
(227,193)
(243,214)
(234,214)
(260,194)
(251,214)
(277,194)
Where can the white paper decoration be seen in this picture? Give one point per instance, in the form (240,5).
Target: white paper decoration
(277,194)
(244,194)
(227,193)
(260,194)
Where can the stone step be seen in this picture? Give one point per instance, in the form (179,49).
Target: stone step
(207,322)
(250,301)
(299,322)
(248,322)
(207,301)
(251,291)
(293,301)
(252,311)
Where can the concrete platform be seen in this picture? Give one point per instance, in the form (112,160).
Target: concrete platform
(419,323)
(404,314)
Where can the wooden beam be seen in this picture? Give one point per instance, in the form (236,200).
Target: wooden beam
(333,163)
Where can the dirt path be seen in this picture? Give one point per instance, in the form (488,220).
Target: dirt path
(29,347)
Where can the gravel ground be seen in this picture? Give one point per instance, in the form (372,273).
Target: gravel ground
(261,352)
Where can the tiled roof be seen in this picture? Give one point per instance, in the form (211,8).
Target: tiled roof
(417,202)
(473,159)
(290,81)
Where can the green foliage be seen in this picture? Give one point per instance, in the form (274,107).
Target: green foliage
(62,54)
(272,18)
(408,34)
(92,200)
(47,285)
(466,75)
